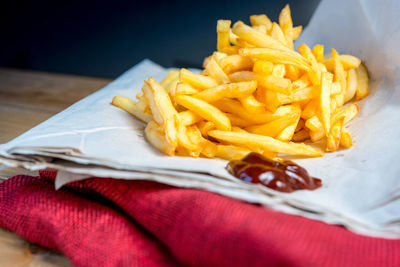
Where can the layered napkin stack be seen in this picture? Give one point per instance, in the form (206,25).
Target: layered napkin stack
(360,185)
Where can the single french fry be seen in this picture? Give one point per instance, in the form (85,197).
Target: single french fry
(277,84)
(340,76)
(231,152)
(216,72)
(188,117)
(261,28)
(318,51)
(333,138)
(352,84)
(196,80)
(296,32)
(205,127)
(157,138)
(185,89)
(310,110)
(274,127)
(348,113)
(348,62)
(231,90)
(209,149)
(265,142)
(277,56)
(242,76)
(362,82)
(278,70)
(238,121)
(300,136)
(316,136)
(292,72)
(277,34)
(263,67)
(252,105)
(336,88)
(223,28)
(314,124)
(287,134)
(286,23)
(161,105)
(325,100)
(315,73)
(205,110)
(170,80)
(235,63)
(255,37)
(345,138)
(131,107)
(263,19)
(302,82)
(307,93)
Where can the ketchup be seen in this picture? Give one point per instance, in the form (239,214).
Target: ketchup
(285,176)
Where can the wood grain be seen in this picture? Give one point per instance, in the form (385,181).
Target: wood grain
(28,98)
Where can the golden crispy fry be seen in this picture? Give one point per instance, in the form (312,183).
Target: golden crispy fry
(230,152)
(196,80)
(277,34)
(274,127)
(231,90)
(188,117)
(362,82)
(287,134)
(265,142)
(301,136)
(242,76)
(333,138)
(170,80)
(316,136)
(340,76)
(325,100)
(255,37)
(314,124)
(302,82)
(286,23)
(277,56)
(156,137)
(304,93)
(223,29)
(234,63)
(348,62)
(277,84)
(263,19)
(252,105)
(185,89)
(336,88)
(131,107)
(318,51)
(162,109)
(310,110)
(205,127)
(296,32)
(205,110)
(315,73)
(279,70)
(352,84)
(209,149)
(345,138)
(216,72)
(261,28)
(263,67)
(292,72)
(238,121)
(348,113)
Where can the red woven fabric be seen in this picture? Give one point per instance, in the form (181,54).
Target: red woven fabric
(110,222)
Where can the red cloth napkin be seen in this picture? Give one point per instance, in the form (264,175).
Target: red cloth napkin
(110,222)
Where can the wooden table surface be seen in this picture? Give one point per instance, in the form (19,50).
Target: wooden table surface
(28,98)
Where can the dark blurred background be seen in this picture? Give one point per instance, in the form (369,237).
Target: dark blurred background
(104,38)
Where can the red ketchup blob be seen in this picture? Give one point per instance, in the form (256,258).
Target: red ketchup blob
(285,176)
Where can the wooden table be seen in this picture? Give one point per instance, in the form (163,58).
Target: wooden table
(28,98)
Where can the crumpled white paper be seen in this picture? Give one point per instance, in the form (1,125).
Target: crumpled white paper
(361,185)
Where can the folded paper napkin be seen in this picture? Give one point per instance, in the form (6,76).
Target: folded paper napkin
(111,222)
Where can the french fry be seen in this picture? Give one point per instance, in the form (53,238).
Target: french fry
(242,76)
(324,100)
(274,127)
(255,37)
(170,80)
(279,71)
(235,63)
(162,109)
(352,84)
(223,28)
(276,56)
(216,72)
(362,82)
(231,152)
(315,73)
(302,82)
(336,88)
(310,110)
(316,136)
(348,62)
(277,34)
(334,136)
(257,20)
(348,113)
(196,80)
(277,84)
(209,149)
(304,93)
(131,107)
(292,72)
(238,121)
(231,90)
(287,134)
(296,32)
(300,136)
(286,23)
(314,124)
(345,138)
(265,142)
(205,110)
(156,137)
(185,89)
(205,127)
(318,51)
(252,105)
(188,117)
(263,67)
(340,76)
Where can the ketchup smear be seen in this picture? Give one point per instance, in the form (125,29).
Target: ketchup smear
(285,176)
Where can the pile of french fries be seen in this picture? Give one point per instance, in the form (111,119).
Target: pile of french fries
(256,93)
